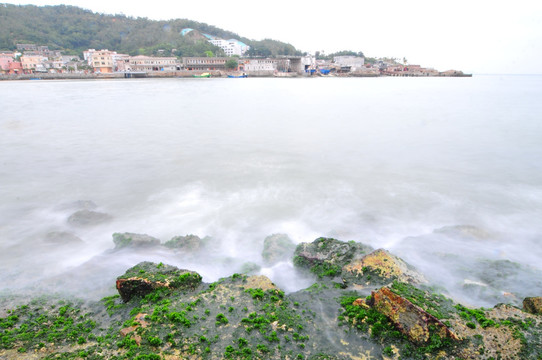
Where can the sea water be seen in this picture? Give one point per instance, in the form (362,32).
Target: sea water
(444,172)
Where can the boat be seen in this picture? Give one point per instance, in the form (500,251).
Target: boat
(204,75)
(238,76)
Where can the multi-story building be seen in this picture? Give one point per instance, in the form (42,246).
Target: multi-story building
(122,62)
(260,64)
(27,47)
(152,63)
(9,64)
(204,63)
(32,63)
(102,60)
(5,60)
(231,47)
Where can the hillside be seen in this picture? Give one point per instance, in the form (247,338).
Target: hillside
(74,30)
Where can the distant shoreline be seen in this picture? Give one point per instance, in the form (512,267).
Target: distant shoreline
(188,74)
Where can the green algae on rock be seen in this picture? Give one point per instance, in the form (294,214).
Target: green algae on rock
(188,243)
(146,277)
(380,267)
(125,240)
(325,257)
(168,313)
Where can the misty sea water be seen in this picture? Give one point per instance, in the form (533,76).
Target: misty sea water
(443,172)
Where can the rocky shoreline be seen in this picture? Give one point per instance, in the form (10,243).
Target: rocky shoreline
(364,303)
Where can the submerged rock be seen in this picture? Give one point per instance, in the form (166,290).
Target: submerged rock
(188,243)
(63,238)
(88,218)
(464,231)
(133,240)
(146,277)
(277,247)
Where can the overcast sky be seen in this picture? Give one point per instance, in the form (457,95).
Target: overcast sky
(478,36)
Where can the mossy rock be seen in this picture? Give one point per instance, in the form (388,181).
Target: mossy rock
(188,243)
(380,267)
(533,305)
(327,256)
(146,277)
(133,240)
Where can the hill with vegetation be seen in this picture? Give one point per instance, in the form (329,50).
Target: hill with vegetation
(73,30)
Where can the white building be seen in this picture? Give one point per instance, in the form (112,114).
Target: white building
(260,65)
(354,62)
(230,47)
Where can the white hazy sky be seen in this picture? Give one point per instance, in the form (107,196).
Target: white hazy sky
(476,36)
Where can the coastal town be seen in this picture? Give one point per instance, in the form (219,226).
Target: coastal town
(31,61)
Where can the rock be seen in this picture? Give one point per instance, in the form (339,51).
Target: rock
(250,268)
(139,319)
(382,266)
(134,240)
(327,256)
(277,247)
(464,231)
(533,305)
(410,319)
(188,243)
(361,302)
(128,330)
(146,277)
(259,282)
(62,238)
(88,218)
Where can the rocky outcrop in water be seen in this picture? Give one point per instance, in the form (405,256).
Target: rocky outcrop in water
(163,312)
(277,247)
(146,277)
(380,267)
(327,256)
(62,238)
(85,218)
(187,243)
(131,240)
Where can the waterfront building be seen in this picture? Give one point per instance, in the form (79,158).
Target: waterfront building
(31,63)
(152,63)
(5,60)
(353,62)
(260,64)
(204,63)
(101,61)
